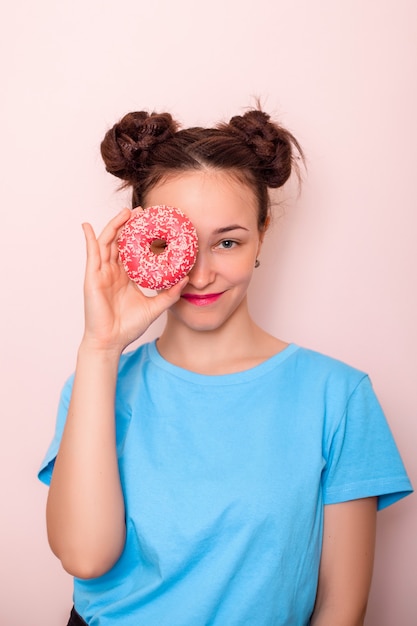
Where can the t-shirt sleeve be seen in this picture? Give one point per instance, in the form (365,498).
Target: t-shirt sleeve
(47,466)
(362,459)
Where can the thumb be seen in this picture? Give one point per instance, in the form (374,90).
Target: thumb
(166,298)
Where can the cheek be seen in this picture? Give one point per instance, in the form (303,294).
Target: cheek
(238,270)
(241,258)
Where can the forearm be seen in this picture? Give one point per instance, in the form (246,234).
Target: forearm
(346,563)
(85,510)
(331,616)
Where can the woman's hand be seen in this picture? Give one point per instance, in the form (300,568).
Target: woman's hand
(116,310)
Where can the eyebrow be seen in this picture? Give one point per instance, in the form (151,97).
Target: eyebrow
(226,229)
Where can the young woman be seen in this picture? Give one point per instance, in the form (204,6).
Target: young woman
(218,475)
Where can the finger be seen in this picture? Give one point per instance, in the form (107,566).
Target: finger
(114,250)
(108,237)
(110,230)
(92,248)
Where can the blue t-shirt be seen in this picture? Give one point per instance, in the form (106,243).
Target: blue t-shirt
(225,479)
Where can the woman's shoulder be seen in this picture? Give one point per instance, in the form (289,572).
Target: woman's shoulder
(134,356)
(319,366)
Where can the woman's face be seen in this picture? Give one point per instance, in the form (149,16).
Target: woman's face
(224,212)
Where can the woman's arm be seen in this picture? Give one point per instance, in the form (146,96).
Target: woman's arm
(85,509)
(346,563)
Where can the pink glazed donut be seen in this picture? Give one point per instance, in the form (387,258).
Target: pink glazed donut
(158,246)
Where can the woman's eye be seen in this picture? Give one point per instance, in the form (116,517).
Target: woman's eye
(227,244)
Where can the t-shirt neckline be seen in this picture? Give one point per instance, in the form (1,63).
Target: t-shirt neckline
(223,379)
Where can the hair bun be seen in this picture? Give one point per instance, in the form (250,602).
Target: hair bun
(126,145)
(272,144)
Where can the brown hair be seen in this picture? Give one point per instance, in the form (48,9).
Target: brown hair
(144,148)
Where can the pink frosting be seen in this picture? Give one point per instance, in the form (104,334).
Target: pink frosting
(145,267)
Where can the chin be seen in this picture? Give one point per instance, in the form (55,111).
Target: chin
(200,320)
(202,325)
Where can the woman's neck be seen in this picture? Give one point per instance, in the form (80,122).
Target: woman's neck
(236,346)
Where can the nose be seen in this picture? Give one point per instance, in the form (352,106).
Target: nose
(202,273)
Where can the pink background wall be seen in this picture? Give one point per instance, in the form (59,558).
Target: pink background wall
(339,269)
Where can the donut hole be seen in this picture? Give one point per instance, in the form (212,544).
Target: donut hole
(158,246)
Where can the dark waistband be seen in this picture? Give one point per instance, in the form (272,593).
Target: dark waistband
(75,619)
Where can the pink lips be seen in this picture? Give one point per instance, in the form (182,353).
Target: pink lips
(201,300)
